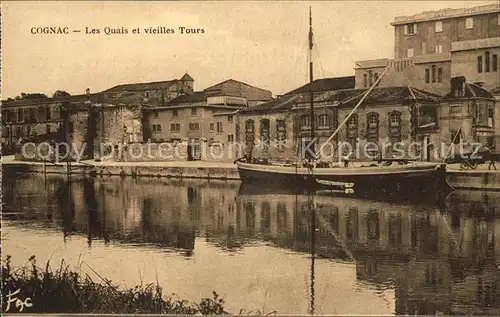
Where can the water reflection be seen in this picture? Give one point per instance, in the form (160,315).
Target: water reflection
(434,257)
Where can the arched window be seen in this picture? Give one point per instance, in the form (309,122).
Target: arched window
(280,134)
(395,126)
(305,122)
(324,121)
(249,134)
(352,130)
(264,134)
(372,127)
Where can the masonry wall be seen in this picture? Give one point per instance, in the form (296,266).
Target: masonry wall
(228,122)
(426,38)
(383,111)
(287,152)
(465,64)
(413,76)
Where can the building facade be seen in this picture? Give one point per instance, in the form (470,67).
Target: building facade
(280,130)
(207,114)
(443,44)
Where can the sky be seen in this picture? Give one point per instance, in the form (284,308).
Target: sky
(261,43)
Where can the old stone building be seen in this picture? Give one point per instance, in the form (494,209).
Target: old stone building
(469,114)
(202,114)
(276,130)
(443,44)
(273,129)
(154,93)
(39,118)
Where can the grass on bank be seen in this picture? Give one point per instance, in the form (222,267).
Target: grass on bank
(66,291)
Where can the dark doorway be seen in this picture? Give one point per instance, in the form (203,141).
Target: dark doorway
(190,150)
(429,148)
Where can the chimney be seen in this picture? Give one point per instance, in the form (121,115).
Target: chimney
(87,91)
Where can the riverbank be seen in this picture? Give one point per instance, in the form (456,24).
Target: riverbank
(479,179)
(177,169)
(64,290)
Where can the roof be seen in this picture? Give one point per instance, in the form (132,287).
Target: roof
(197,96)
(219,87)
(283,103)
(348,97)
(42,101)
(472,91)
(155,85)
(384,95)
(326,84)
(186,77)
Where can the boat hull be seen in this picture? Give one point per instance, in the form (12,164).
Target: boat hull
(408,177)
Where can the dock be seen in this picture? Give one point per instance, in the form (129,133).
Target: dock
(478,179)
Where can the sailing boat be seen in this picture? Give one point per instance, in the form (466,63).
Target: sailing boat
(387,175)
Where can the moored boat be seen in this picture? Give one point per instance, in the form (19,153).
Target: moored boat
(407,177)
(386,175)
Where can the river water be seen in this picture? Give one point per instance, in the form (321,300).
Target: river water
(263,250)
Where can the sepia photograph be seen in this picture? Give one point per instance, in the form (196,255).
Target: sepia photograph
(250,158)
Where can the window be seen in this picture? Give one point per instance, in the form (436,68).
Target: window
(427,75)
(439,26)
(352,130)
(175,127)
(370,78)
(424,48)
(7,131)
(19,115)
(47,113)
(410,29)
(194,126)
(479,64)
(409,52)
(305,122)
(193,111)
(212,126)
(439,49)
(19,132)
(487,62)
(219,127)
(323,120)
(175,113)
(155,113)
(365,80)
(372,128)
(28,131)
(375,77)
(440,75)
(265,133)
(230,118)
(147,94)
(491,117)
(230,138)
(281,134)
(156,127)
(494,62)
(433,73)
(469,23)
(395,126)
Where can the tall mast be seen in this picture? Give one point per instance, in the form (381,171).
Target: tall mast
(310,82)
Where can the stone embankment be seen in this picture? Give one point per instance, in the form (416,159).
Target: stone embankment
(179,169)
(480,178)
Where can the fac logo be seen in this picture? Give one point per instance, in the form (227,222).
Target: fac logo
(12,298)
